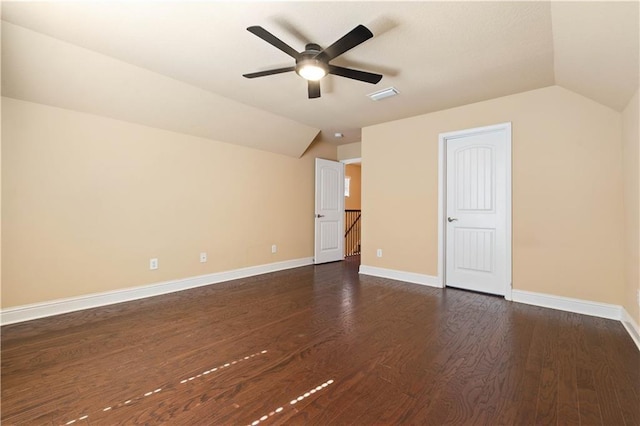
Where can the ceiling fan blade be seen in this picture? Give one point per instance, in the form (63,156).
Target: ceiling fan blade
(273,40)
(367,77)
(350,40)
(314,89)
(268,72)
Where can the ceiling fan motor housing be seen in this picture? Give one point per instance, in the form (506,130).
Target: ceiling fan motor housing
(312,48)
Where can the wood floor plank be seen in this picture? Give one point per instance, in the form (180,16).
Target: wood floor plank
(605,373)
(546,406)
(513,365)
(568,413)
(348,349)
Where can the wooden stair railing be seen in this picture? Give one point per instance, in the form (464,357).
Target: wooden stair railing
(352,235)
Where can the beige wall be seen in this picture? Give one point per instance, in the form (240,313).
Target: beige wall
(352,202)
(631,160)
(567,191)
(1,172)
(349,151)
(88,200)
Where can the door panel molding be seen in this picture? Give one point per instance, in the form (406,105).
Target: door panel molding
(442,207)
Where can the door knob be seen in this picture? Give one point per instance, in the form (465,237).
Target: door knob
(452,219)
(319,215)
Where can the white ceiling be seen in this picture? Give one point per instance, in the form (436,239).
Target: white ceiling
(437,54)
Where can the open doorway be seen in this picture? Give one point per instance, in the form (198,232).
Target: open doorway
(352,208)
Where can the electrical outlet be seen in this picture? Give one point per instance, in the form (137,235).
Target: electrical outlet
(203,257)
(153,263)
(274,248)
(379,253)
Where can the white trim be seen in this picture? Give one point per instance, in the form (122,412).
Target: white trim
(568,304)
(61,306)
(585,307)
(410,277)
(632,327)
(442,149)
(508,294)
(357,160)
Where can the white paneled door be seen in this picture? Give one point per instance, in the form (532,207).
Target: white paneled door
(329,216)
(478,204)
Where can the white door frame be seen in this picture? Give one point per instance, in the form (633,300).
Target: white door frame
(442,205)
(356,160)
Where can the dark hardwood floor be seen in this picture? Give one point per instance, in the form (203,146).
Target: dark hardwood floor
(320,345)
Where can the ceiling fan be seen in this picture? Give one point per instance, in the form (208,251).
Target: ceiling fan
(313,63)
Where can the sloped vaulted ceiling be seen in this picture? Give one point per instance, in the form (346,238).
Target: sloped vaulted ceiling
(45,70)
(596,49)
(178,65)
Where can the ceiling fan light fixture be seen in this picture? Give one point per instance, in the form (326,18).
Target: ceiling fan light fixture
(311,69)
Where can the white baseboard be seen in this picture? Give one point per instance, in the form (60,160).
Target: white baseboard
(62,306)
(585,307)
(392,274)
(632,327)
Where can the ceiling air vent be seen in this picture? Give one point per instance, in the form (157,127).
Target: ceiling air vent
(384,93)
